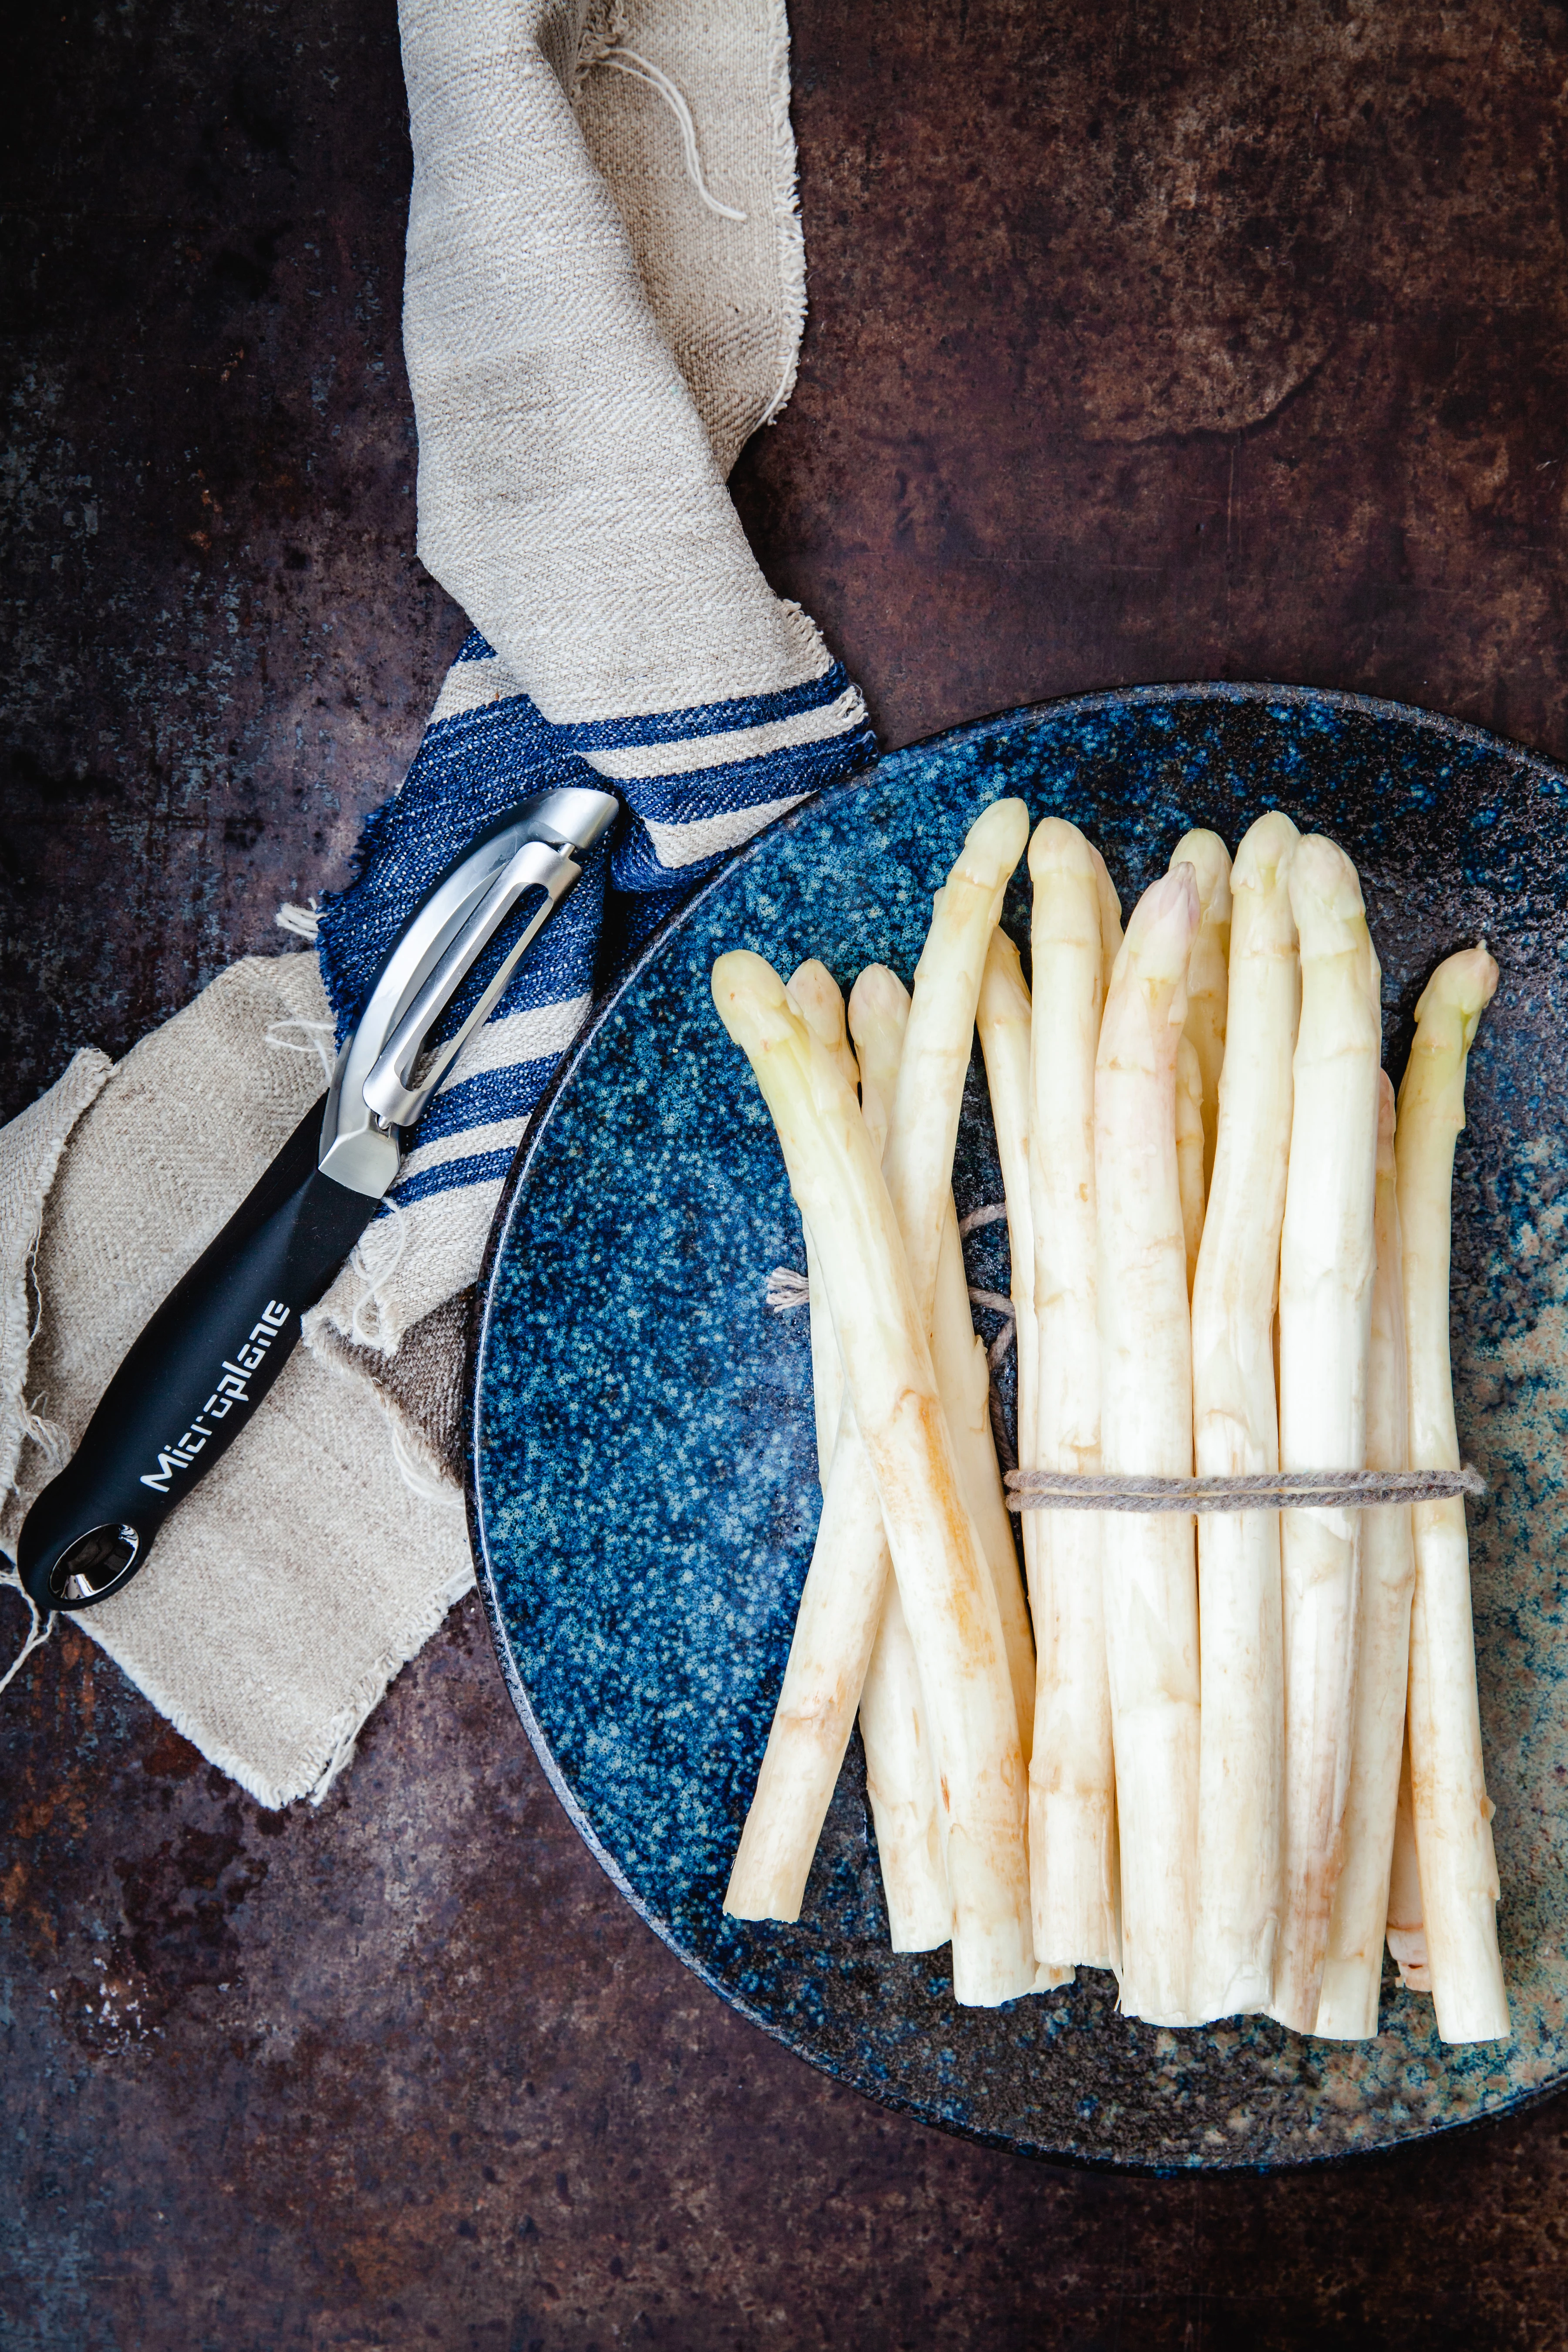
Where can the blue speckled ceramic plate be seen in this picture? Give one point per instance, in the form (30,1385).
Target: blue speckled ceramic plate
(644,1481)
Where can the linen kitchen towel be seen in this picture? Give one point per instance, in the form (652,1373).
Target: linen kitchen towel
(604,295)
(571,499)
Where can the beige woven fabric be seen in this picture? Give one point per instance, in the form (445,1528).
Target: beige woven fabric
(547,495)
(569,433)
(730,295)
(303,1570)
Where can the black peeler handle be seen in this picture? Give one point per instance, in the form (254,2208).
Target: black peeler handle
(194,1378)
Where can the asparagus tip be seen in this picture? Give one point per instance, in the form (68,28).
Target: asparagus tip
(1264,854)
(995,841)
(819,999)
(1463,983)
(745,983)
(877,995)
(1325,891)
(1057,847)
(1209,858)
(1159,934)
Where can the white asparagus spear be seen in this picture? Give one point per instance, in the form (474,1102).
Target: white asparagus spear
(835,1628)
(1003,1019)
(964,1377)
(1146,1425)
(880,1008)
(1326,1264)
(1353,1974)
(1453,1812)
(1406,1922)
(1110,916)
(1208,983)
(901,1781)
(840,1607)
(900,1771)
(902,1787)
(1073,1864)
(1190,1150)
(1235,1427)
(820,998)
(890,1386)
(928,1099)
(939,1037)
(878,1015)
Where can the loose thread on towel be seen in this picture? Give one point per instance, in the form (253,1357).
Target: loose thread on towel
(319,1039)
(421,1483)
(1064,1490)
(639,68)
(47,1434)
(375,1259)
(299,922)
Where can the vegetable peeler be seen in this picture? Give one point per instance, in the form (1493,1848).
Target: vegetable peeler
(208,1357)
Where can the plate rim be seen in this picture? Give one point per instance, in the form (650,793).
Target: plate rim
(1459,731)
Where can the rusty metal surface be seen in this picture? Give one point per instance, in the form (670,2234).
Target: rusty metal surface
(1146,343)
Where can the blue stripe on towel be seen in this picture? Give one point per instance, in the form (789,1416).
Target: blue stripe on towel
(637,864)
(493,1096)
(450,1175)
(740,783)
(706,718)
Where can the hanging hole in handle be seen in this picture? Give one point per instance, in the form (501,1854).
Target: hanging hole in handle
(96,1565)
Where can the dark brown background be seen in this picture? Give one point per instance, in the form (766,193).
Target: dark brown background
(1147,343)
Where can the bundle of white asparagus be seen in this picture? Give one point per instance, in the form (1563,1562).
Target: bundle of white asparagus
(1222,1756)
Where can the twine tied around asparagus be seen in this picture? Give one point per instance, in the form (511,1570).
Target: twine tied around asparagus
(1266,1490)
(1071,1490)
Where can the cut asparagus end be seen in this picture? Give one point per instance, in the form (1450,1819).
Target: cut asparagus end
(1406,1922)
